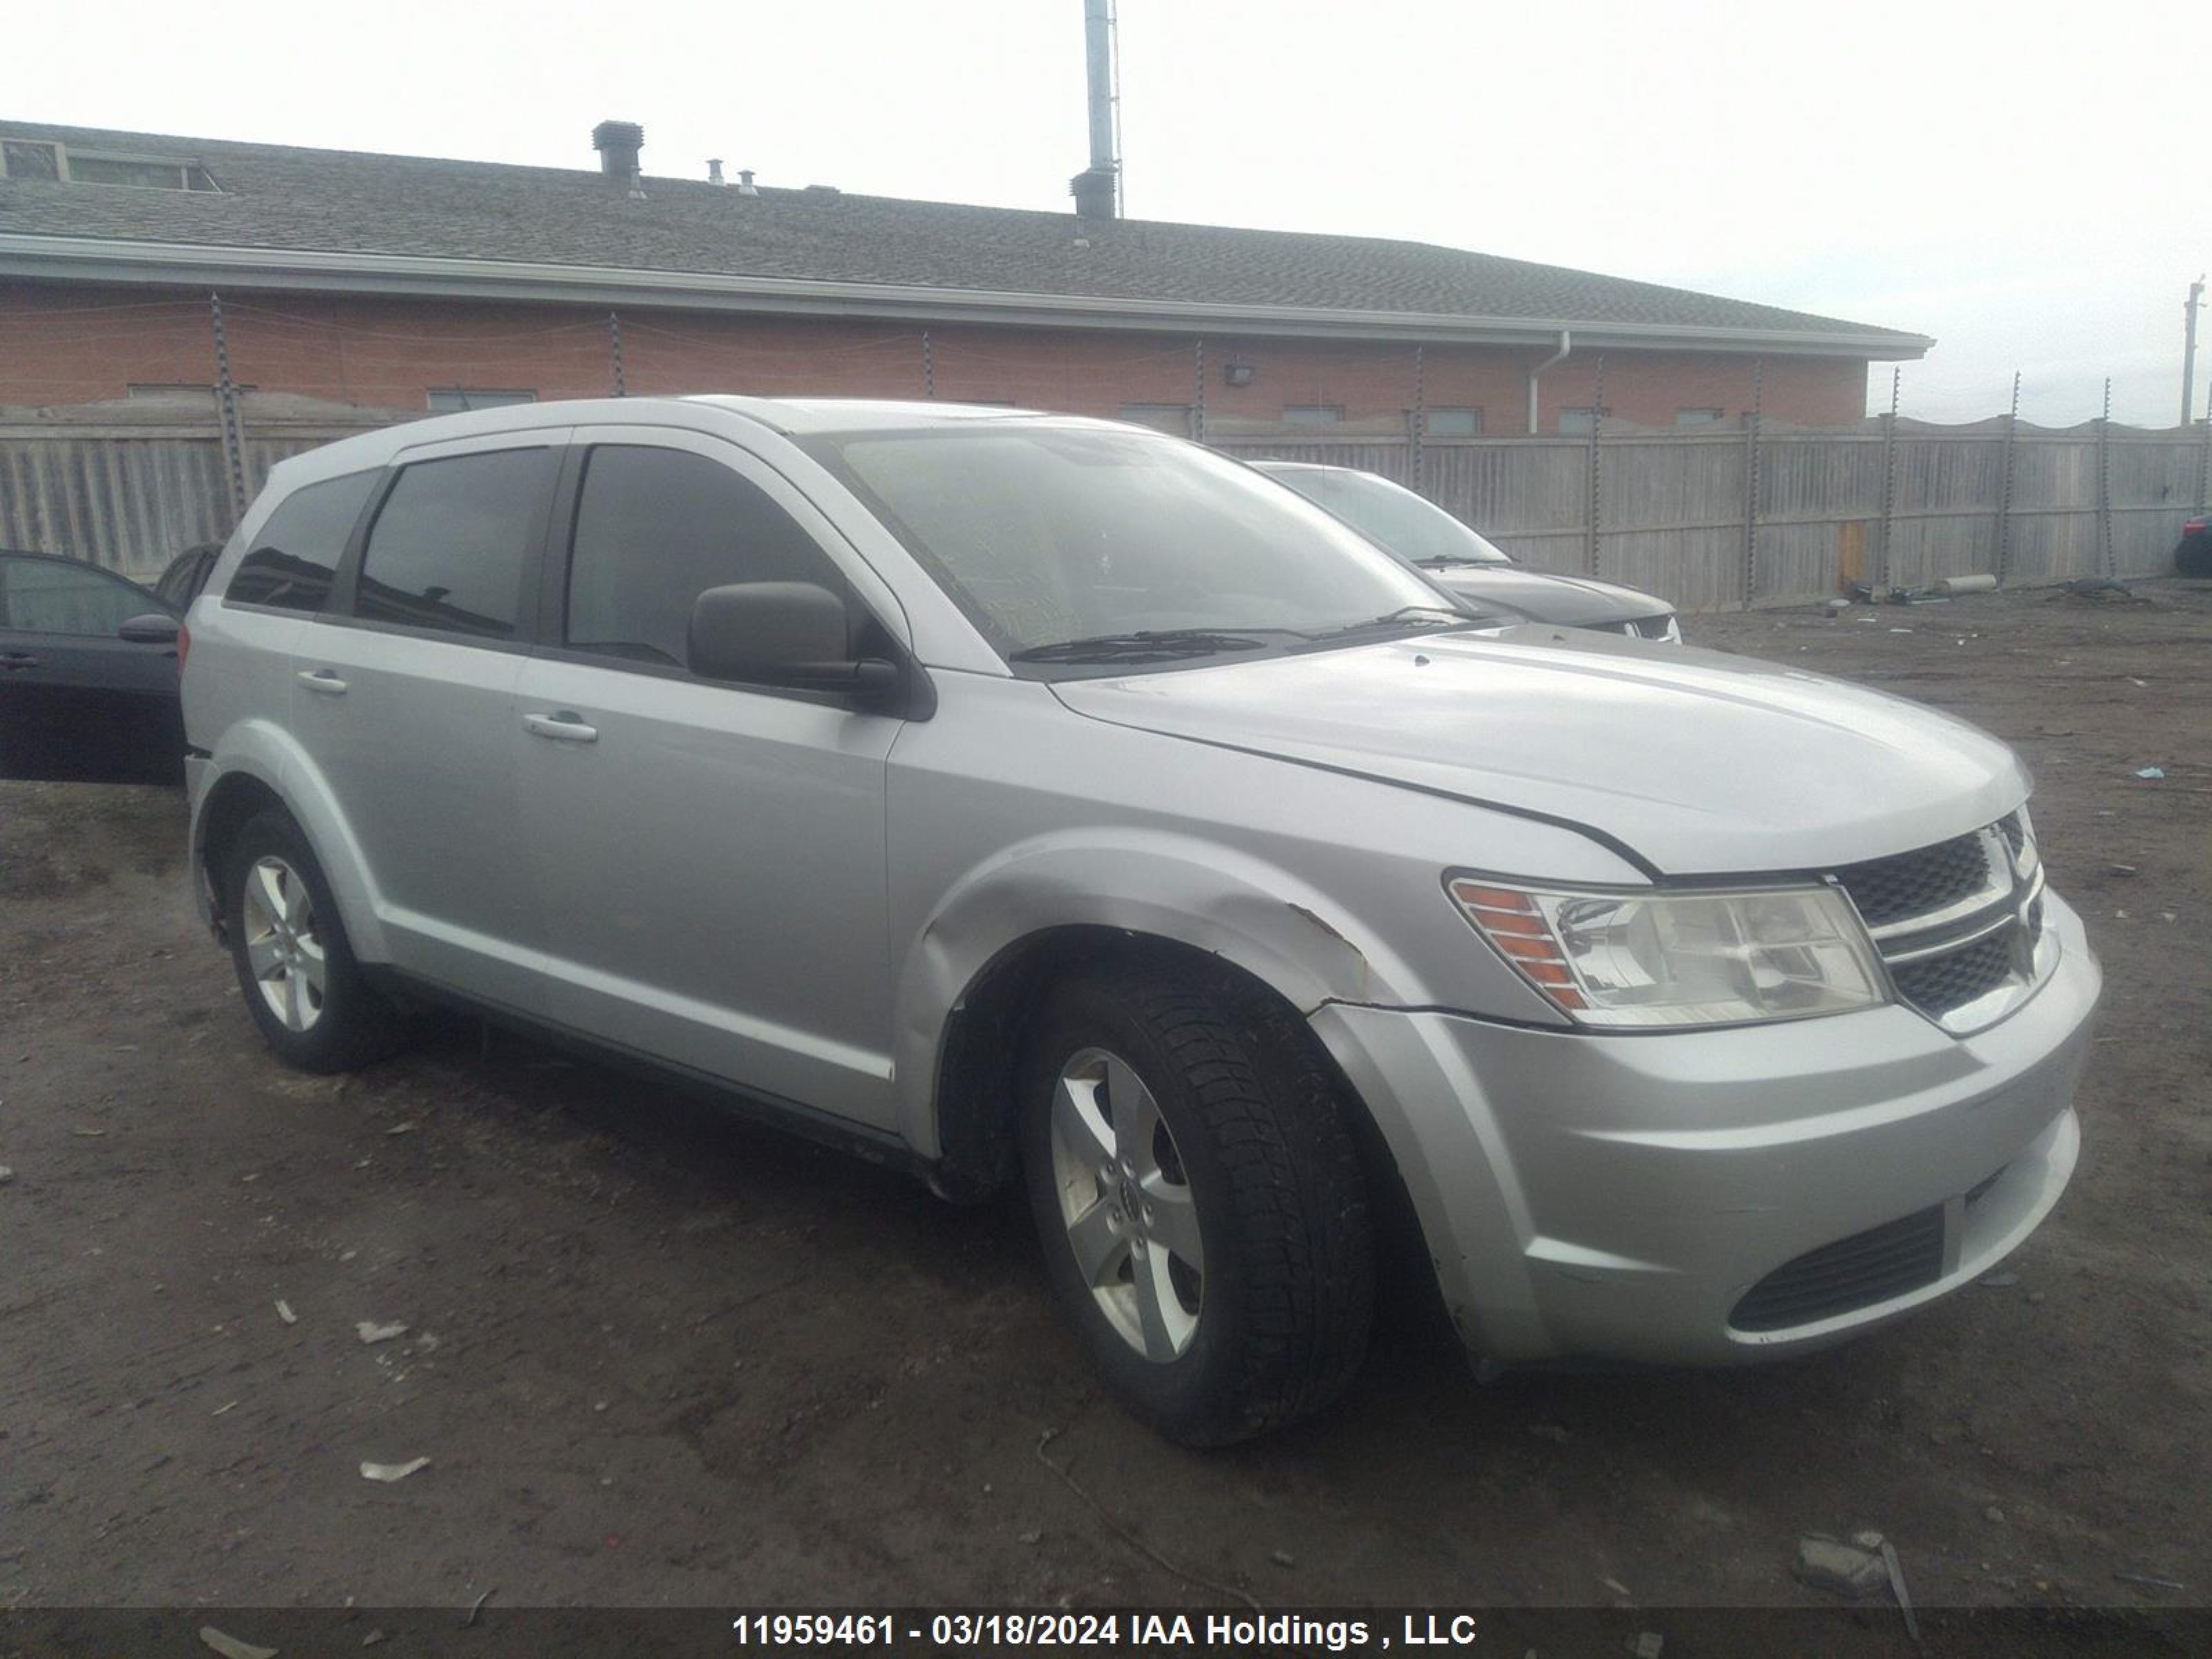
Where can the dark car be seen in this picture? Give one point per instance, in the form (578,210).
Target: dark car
(87,675)
(1426,537)
(2193,556)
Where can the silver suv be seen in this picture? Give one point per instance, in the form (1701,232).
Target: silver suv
(1037,799)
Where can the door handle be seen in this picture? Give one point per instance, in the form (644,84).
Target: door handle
(565,727)
(322,680)
(11,660)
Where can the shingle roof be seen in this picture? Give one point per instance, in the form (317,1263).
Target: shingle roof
(278,197)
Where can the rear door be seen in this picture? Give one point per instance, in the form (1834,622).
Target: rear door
(709,856)
(403,695)
(78,703)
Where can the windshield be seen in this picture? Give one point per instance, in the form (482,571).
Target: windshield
(1417,531)
(1046,535)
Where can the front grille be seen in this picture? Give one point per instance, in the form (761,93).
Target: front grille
(1940,984)
(1855,1272)
(1912,883)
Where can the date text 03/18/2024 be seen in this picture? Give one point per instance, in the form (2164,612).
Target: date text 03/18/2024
(1214,1631)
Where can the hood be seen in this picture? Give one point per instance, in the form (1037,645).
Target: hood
(1569,601)
(1701,764)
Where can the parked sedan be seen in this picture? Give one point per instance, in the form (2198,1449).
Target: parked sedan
(87,675)
(1425,536)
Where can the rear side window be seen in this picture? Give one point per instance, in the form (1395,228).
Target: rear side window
(289,567)
(655,528)
(450,541)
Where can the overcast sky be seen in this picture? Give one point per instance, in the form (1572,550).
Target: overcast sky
(2025,182)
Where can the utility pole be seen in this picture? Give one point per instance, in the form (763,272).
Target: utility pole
(2189,352)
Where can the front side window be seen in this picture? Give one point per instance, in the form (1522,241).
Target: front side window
(1046,535)
(656,528)
(449,544)
(51,596)
(290,562)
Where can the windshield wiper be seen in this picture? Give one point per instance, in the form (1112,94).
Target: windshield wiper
(1405,615)
(1142,646)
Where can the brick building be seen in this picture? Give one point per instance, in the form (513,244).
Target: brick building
(405,283)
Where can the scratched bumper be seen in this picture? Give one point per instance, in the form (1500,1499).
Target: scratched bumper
(1616,1197)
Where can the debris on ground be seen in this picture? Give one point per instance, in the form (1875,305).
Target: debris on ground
(7,1175)
(230,1647)
(469,1618)
(1993,1515)
(1647,1644)
(401,1129)
(1282,1559)
(2140,772)
(1896,1571)
(372,1638)
(1550,1431)
(1998,1281)
(1617,1588)
(2150,1579)
(371,1333)
(228,1405)
(388,1472)
(284,1312)
(2119,870)
(1851,1570)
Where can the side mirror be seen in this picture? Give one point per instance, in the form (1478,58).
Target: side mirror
(792,634)
(155,627)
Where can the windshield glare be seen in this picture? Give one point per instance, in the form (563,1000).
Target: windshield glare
(1043,534)
(1416,530)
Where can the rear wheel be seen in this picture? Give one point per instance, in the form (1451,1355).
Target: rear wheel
(302,985)
(1203,1213)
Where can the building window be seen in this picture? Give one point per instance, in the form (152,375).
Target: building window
(1580,422)
(180,391)
(22,159)
(1312,414)
(1173,418)
(1699,416)
(452,399)
(1450,422)
(25,158)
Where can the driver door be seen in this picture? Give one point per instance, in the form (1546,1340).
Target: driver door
(78,703)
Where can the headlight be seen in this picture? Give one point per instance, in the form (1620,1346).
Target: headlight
(1674,959)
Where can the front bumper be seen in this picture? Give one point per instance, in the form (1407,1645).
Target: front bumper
(1616,1196)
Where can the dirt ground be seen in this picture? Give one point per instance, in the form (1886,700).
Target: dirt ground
(656,1357)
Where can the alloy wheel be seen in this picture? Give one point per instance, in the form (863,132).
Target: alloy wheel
(284,943)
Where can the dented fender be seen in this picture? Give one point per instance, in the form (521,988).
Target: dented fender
(1293,937)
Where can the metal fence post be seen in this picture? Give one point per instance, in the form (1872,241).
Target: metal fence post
(1751,481)
(226,395)
(1420,420)
(928,366)
(614,347)
(2105,487)
(1882,567)
(2004,485)
(1597,421)
(2204,462)
(1198,389)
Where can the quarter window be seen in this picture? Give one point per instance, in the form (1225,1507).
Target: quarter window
(655,528)
(451,540)
(290,561)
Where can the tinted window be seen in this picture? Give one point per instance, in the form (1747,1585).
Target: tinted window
(47,596)
(655,528)
(290,562)
(449,543)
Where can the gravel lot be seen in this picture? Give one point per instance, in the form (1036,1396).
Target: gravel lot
(659,1358)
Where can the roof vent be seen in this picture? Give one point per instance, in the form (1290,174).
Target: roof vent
(618,143)
(746,186)
(822,194)
(714,171)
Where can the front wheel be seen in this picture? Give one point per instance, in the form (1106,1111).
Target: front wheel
(1203,1213)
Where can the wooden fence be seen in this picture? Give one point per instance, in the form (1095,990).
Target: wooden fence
(1709,519)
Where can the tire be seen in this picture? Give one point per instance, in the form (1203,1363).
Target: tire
(1255,1175)
(284,932)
